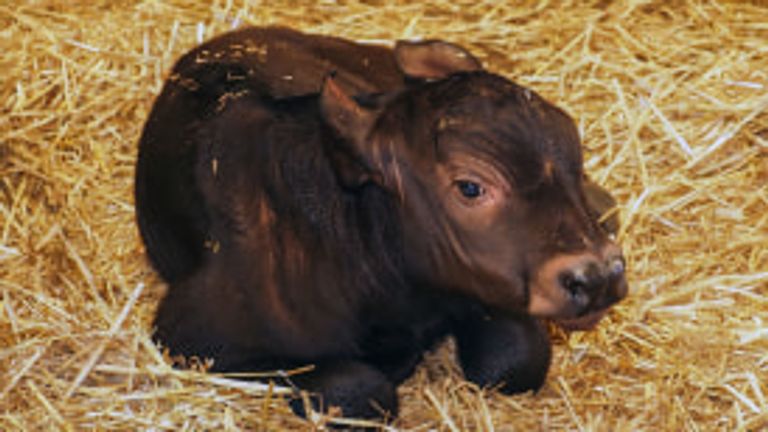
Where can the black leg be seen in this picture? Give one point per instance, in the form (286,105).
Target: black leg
(510,352)
(395,352)
(360,390)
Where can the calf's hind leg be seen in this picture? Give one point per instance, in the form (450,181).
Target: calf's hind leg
(360,390)
(510,352)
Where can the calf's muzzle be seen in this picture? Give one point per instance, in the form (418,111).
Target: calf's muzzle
(577,289)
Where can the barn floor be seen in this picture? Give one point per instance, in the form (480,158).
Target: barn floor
(672,102)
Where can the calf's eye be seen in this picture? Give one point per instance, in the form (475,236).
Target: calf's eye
(470,189)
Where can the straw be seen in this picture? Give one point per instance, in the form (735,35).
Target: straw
(671,99)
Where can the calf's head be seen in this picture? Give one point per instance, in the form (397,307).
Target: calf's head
(488,176)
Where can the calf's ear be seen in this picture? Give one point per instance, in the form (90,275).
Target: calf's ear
(602,205)
(433,59)
(344,114)
(352,155)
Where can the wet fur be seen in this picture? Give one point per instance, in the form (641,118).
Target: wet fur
(274,262)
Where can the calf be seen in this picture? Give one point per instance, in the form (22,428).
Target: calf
(315,201)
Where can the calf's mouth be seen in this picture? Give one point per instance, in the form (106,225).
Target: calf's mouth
(582,323)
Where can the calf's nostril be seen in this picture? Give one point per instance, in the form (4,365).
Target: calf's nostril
(616,267)
(574,283)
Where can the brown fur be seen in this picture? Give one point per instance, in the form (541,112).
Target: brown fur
(359,219)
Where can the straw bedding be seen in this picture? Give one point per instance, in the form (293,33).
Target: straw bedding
(672,102)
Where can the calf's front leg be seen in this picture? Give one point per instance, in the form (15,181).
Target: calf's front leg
(511,352)
(359,389)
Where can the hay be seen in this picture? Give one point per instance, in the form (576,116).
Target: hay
(671,99)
